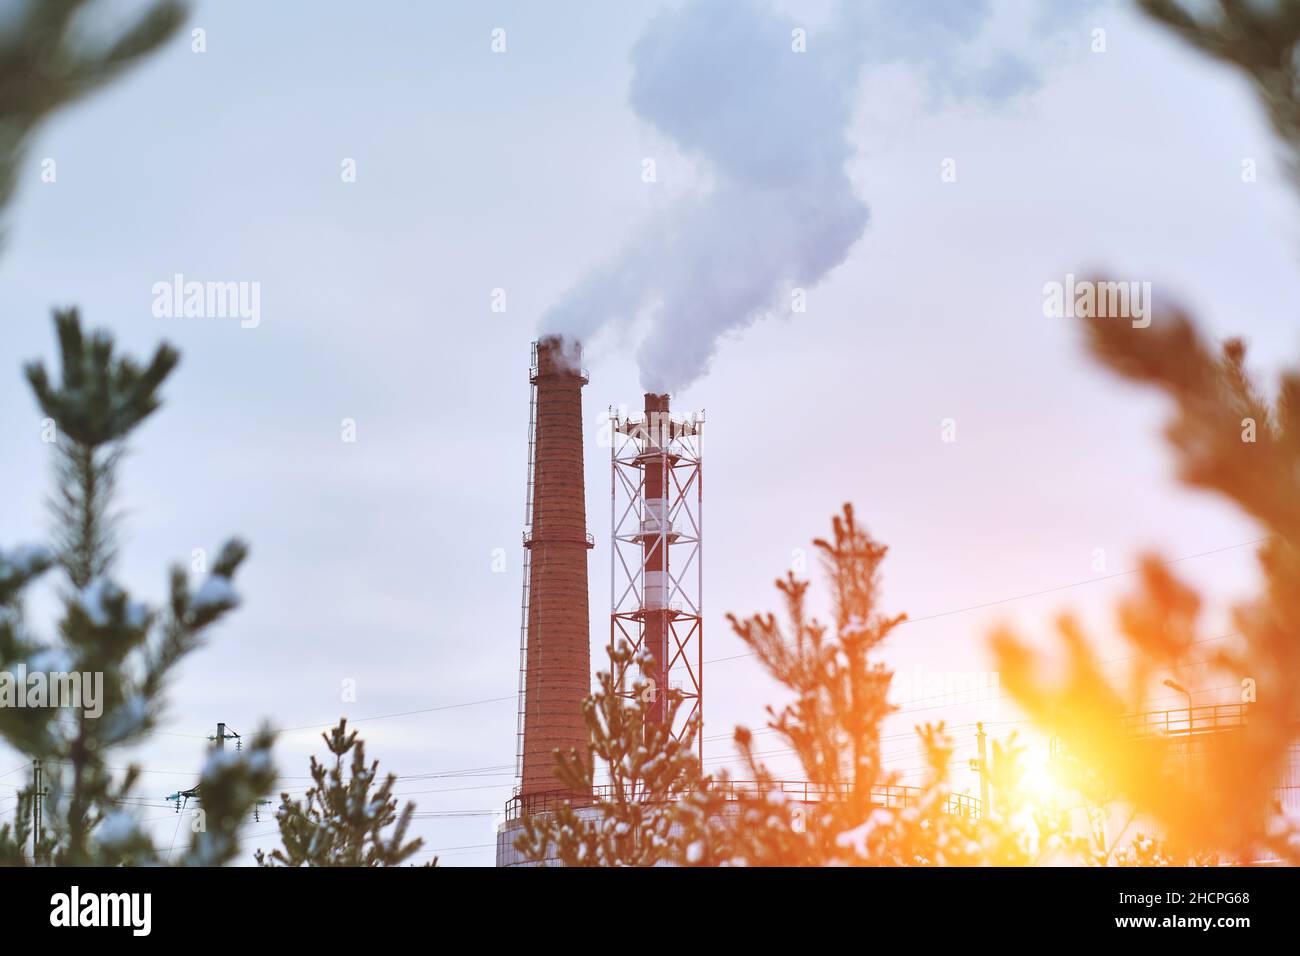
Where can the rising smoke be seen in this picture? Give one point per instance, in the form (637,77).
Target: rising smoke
(723,81)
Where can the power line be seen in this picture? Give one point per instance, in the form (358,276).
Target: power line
(412,793)
(490,770)
(1040,593)
(405,713)
(512,697)
(449,849)
(175,830)
(1000,697)
(789,751)
(914,620)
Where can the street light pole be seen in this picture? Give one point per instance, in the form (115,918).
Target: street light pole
(1174,685)
(1187,743)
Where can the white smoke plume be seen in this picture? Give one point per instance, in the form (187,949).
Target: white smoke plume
(723,81)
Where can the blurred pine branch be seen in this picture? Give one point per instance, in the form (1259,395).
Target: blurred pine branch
(45,66)
(1258,37)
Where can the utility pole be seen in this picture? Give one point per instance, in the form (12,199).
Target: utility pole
(38,798)
(183,797)
(1187,741)
(222,736)
(1174,685)
(981,766)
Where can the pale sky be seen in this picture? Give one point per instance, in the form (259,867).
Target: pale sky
(372,561)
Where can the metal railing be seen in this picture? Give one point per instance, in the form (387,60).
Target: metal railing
(588,539)
(535,372)
(893,797)
(1179,723)
(1206,719)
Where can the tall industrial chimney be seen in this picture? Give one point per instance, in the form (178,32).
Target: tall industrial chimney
(557,664)
(656,533)
(656,569)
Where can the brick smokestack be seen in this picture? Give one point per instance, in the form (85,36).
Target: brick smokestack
(558,676)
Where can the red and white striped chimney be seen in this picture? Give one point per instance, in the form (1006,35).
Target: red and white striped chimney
(655,535)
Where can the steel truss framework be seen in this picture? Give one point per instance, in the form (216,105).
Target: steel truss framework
(642,530)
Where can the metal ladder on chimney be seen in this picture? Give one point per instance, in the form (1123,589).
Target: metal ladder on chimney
(528,564)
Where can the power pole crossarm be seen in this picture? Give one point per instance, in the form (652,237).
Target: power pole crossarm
(223,735)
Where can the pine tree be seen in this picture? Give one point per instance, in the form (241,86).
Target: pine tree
(43,67)
(1259,39)
(1222,803)
(1233,441)
(99,402)
(658,805)
(839,699)
(340,821)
